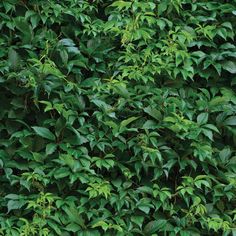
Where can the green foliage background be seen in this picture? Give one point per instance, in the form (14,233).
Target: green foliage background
(117,117)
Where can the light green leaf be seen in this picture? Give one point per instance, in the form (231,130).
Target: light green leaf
(231,121)
(202,118)
(126,122)
(230,66)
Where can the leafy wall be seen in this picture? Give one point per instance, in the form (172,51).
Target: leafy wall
(117,117)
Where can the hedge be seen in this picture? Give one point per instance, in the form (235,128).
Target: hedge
(117,117)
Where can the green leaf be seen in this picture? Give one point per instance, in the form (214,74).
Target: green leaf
(44,132)
(217,101)
(230,66)
(162,7)
(13,205)
(121,4)
(161,23)
(50,148)
(225,154)
(12,196)
(150,124)
(126,122)
(144,208)
(212,127)
(24,27)
(55,227)
(154,226)
(138,220)
(74,216)
(202,118)
(73,227)
(61,173)
(153,112)
(1,163)
(64,56)
(230,121)
(13,58)
(145,189)
(121,90)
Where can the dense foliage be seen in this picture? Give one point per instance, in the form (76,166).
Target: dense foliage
(117,117)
